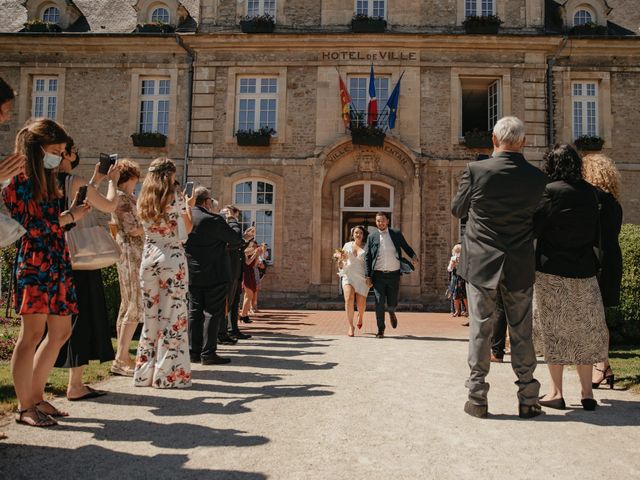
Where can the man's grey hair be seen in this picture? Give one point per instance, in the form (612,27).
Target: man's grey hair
(203,194)
(509,131)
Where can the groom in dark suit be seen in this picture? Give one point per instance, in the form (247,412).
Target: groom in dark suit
(382,268)
(500,195)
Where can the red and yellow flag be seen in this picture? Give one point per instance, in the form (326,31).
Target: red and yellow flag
(345,98)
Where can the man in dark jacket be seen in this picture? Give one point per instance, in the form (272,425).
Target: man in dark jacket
(209,277)
(383,254)
(500,196)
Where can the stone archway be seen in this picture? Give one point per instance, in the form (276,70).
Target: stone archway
(343,163)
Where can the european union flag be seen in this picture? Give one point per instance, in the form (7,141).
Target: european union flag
(392,103)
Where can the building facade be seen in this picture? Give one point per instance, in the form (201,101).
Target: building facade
(567,68)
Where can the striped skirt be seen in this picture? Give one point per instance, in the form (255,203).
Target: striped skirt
(568,320)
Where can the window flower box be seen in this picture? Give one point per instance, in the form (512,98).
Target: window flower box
(149,139)
(478,139)
(155,27)
(588,143)
(37,26)
(251,138)
(588,29)
(258,24)
(367,135)
(487,25)
(365,24)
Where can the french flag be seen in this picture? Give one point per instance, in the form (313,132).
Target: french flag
(372,117)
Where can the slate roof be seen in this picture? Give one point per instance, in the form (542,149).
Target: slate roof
(554,25)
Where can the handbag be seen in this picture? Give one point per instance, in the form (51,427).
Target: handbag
(10,230)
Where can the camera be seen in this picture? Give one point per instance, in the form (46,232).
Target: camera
(106,161)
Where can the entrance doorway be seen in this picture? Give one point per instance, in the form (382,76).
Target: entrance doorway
(359,203)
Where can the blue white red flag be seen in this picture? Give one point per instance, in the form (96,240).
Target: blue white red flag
(372,110)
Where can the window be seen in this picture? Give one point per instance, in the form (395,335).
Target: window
(154,105)
(585,109)
(51,15)
(371,8)
(45,97)
(481,104)
(359,88)
(261,7)
(359,203)
(479,8)
(160,15)
(256,201)
(257,103)
(582,17)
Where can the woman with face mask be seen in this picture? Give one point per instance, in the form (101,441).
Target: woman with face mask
(45,295)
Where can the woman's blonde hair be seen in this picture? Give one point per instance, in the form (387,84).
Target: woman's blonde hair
(128,170)
(158,191)
(457,248)
(600,171)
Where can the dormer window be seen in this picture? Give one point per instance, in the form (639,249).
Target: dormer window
(160,15)
(582,17)
(51,15)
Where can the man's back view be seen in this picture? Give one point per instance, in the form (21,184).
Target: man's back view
(500,195)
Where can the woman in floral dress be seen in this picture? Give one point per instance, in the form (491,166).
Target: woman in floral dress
(163,351)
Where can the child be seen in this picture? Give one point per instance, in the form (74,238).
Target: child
(457,286)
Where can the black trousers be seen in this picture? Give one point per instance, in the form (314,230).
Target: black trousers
(499,331)
(206,314)
(233,294)
(385,288)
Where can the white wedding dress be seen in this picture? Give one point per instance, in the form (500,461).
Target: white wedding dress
(352,271)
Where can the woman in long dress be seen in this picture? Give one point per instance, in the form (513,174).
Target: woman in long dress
(351,271)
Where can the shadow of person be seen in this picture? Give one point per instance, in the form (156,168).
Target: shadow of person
(92,461)
(259,361)
(428,339)
(231,376)
(269,352)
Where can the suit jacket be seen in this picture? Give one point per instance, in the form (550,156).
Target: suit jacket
(206,248)
(610,225)
(236,250)
(499,195)
(373,243)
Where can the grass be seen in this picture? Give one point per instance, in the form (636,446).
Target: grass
(625,362)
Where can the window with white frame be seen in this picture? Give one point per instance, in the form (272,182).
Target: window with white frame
(161,15)
(45,97)
(359,88)
(372,8)
(51,15)
(154,105)
(257,103)
(585,108)
(256,8)
(256,201)
(582,17)
(481,104)
(479,8)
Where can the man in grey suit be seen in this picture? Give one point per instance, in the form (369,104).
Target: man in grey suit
(499,195)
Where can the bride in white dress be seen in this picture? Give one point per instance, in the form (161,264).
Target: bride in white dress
(351,271)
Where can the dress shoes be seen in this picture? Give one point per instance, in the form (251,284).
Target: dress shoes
(239,335)
(194,358)
(529,411)
(380,335)
(394,319)
(215,360)
(478,411)
(227,340)
(557,403)
(589,403)
(496,358)
(246,319)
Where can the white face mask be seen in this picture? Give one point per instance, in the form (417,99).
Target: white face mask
(50,160)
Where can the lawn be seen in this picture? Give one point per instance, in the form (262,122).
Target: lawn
(625,362)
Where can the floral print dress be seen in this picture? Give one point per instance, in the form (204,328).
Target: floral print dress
(44,280)
(163,352)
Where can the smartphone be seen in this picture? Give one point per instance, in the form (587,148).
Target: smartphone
(253,224)
(82,195)
(106,161)
(189,189)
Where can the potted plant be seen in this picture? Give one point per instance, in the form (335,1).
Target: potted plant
(41,27)
(149,139)
(155,27)
(486,24)
(255,138)
(362,23)
(589,28)
(589,143)
(258,24)
(478,139)
(363,134)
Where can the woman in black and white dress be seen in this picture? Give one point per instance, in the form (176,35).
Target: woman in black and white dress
(351,271)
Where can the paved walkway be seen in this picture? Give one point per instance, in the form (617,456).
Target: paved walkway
(303,401)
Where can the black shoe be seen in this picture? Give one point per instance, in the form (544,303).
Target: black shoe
(194,358)
(215,360)
(394,319)
(529,411)
(227,340)
(557,403)
(246,319)
(240,336)
(589,404)
(478,411)
(380,335)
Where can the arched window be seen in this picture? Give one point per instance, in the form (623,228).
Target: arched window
(160,15)
(359,203)
(256,201)
(582,17)
(51,15)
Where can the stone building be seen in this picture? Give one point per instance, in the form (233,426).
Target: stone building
(566,67)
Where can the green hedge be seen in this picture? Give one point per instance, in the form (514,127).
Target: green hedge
(624,320)
(112,293)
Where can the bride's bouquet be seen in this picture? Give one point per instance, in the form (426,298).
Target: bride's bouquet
(339,255)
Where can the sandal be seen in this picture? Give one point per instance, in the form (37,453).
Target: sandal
(54,413)
(41,419)
(122,369)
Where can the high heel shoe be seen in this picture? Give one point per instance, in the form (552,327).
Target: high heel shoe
(589,404)
(608,378)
